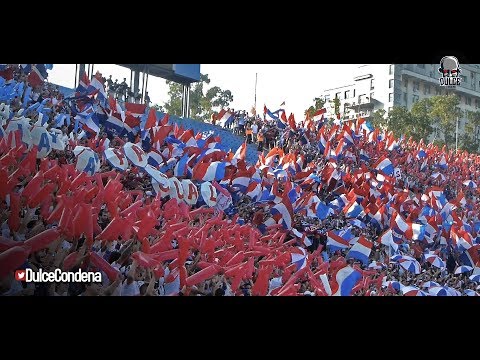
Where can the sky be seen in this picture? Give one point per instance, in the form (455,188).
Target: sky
(296,84)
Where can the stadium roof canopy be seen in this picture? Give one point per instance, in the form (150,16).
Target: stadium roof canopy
(179,73)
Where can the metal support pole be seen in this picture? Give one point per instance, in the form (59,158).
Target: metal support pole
(76,75)
(136,82)
(146,84)
(81,70)
(143,83)
(186,101)
(131,85)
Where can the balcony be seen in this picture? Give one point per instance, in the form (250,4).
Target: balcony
(413,72)
(364,104)
(362,77)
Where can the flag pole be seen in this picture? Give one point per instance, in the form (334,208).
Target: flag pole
(256,77)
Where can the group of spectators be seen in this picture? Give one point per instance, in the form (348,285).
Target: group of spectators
(135,279)
(123,92)
(254,128)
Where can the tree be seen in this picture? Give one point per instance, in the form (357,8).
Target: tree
(158,108)
(336,104)
(421,123)
(220,98)
(201,103)
(398,121)
(469,140)
(445,111)
(378,119)
(319,103)
(174,105)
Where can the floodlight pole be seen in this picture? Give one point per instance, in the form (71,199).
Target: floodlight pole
(256,77)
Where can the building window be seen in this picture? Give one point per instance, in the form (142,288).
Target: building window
(372,84)
(347,94)
(390,83)
(390,97)
(372,95)
(362,99)
(416,86)
(438,91)
(353,94)
(415,98)
(464,78)
(421,66)
(426,89)
(390,70)
(477,103)
(468,100)
(327,97)
(405,97)
(338,95)
(405,82)
(397,98)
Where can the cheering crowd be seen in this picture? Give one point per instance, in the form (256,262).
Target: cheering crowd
(327,210)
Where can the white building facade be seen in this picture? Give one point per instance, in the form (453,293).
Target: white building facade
(383,86)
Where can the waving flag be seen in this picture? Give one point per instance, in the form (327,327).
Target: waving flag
(181,166)
(469,257)
(135,110)
(385,165)
(154,158)
(353,209)
(254,190)
(346,278)
(318,115)
(416,232)
(35,78)
(335,242)
(323,210)
(225,118)
(241,180)
(283,212)
(96,87)
(113,126)
(462,239)
(387,239)
(151,120)
(364,156)
(443,163)
(209,171)
(240,153)
(299,257)
(361,250)
(83,85)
